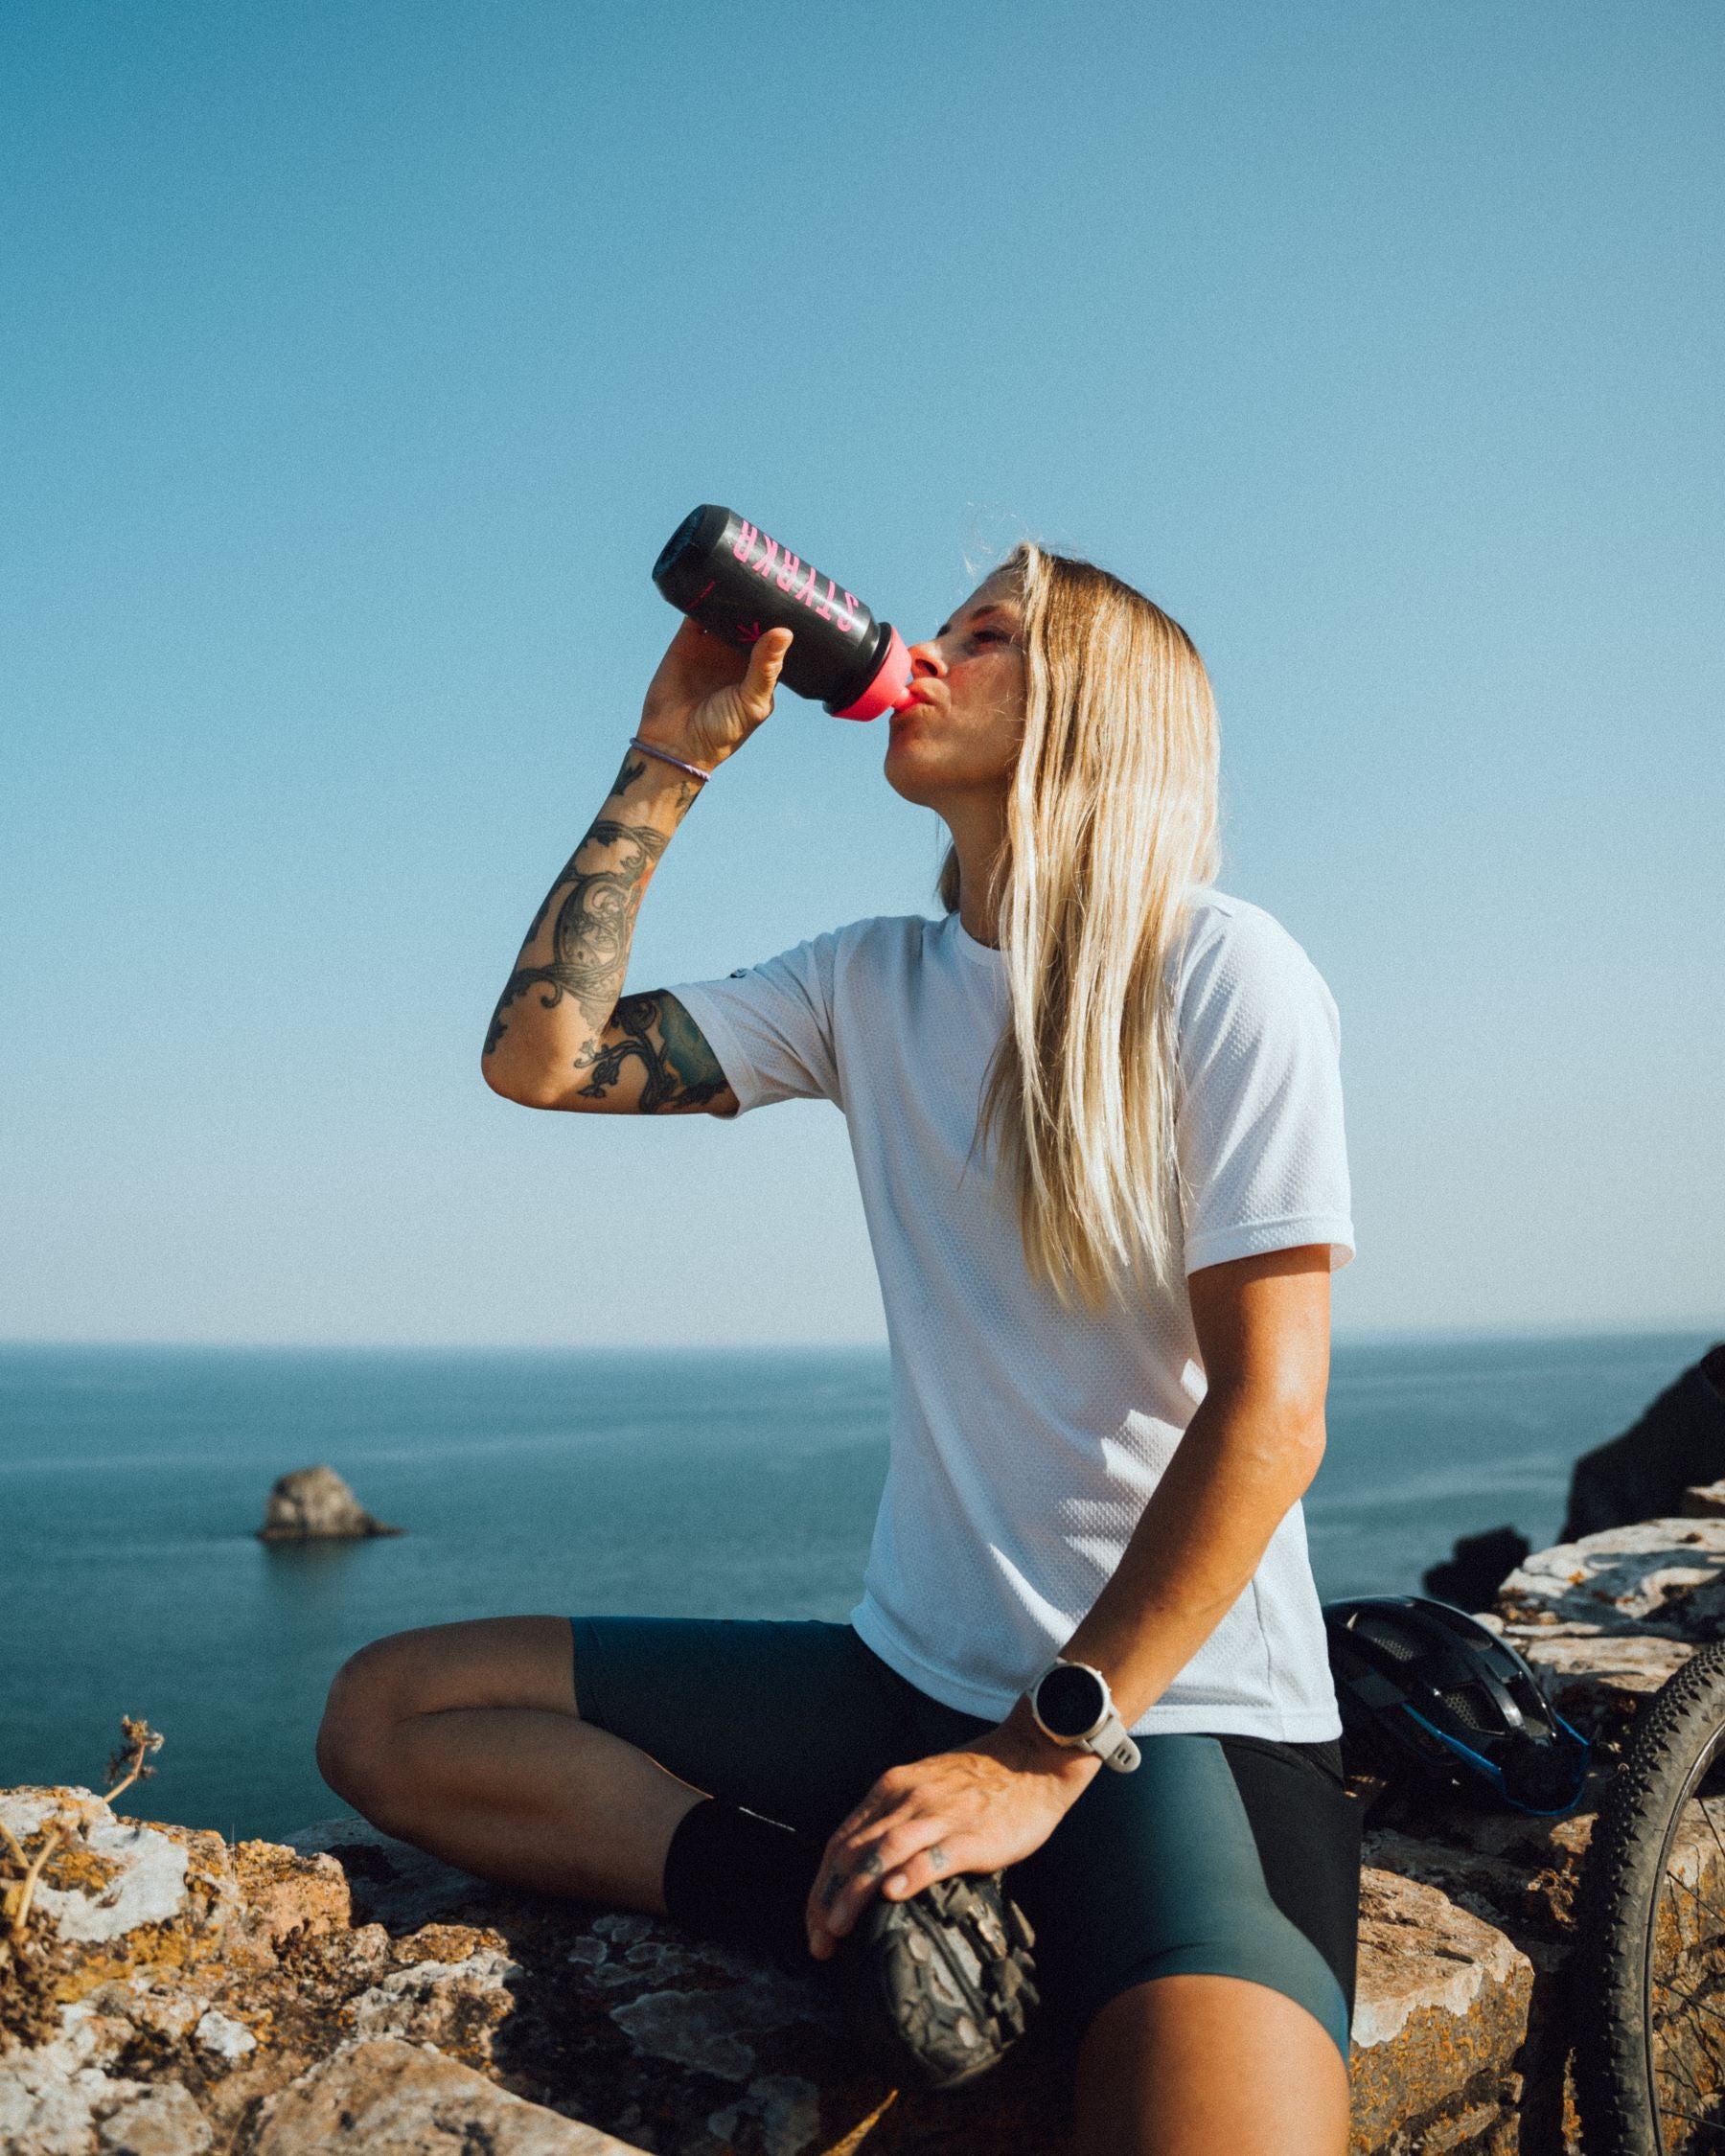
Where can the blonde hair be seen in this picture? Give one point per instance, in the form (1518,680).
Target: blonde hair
(1112,819)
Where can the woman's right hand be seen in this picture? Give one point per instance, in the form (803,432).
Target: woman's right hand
(706,698)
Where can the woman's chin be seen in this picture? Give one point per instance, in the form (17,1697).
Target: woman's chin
(904,772)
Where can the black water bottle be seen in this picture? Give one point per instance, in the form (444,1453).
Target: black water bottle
(727,574)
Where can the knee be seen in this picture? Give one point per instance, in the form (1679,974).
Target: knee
(363,1706)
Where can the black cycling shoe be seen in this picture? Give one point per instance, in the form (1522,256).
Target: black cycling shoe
(941,1982)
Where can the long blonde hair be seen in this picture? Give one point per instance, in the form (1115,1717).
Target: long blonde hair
(1112,819)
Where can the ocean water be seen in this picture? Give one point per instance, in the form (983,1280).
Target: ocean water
(687,1485)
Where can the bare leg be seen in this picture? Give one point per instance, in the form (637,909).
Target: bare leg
(464,1739)
(1189,2065)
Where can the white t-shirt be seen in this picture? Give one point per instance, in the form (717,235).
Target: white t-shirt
(1025,1438)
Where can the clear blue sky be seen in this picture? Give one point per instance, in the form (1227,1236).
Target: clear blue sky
(357,360)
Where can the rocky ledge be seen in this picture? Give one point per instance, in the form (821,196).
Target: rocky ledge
(177,1995)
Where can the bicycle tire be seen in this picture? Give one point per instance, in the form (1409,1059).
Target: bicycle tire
(1627,2062)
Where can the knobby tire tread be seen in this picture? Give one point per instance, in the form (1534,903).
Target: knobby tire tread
(1621,1880)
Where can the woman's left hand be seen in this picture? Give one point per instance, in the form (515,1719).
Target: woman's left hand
(977,1809)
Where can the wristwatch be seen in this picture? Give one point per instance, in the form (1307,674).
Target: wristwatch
(1071,1704)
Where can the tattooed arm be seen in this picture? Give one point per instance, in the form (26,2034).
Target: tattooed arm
(564,1035)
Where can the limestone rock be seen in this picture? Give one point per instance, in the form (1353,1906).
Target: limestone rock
(1704,1500)
(314,1503)
(1661,1578)
(169,1985)
(285,1892)
(161,2122)
(386,2098)
(1441,2019)
(351,1993)
(1441,2015)
(632,2026)
(1510,1870)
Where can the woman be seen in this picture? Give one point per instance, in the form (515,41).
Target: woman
(1097,1118)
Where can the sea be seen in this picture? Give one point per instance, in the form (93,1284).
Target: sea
(132,1481)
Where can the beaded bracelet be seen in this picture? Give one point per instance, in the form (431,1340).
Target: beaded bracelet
(665,756)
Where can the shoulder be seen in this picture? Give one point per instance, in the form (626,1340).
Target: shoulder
(878,946)
(1234,966)
(884,944)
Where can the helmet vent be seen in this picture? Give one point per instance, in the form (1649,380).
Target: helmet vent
(1463,1702)
(1386,1636)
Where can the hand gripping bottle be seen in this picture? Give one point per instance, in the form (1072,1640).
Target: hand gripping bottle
(728,575)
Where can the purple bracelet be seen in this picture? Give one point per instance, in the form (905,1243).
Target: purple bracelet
(665,756)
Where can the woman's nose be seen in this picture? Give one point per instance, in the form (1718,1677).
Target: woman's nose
(925,660)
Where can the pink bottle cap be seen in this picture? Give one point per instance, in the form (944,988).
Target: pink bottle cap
(890,688)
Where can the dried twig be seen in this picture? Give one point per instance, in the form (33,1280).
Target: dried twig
(137,1740)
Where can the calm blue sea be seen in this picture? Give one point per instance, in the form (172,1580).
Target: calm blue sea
(699,1484)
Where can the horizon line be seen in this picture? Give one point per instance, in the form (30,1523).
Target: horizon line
(1341,1337)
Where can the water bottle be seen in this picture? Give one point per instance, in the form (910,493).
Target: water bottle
(727,574)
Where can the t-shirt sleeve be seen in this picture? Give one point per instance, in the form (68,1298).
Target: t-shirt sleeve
(1262,1152)
(771,1025)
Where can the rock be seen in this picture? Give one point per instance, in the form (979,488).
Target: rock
(164,1970)
(1599,1680)
(1663,1577)
(1441,2019)
(221,2035)
(162,2122)
(632,2026)
(314,1503)
(1442,2010)
(1477,1568)
(1643,1475)
(1706,1501)
(386,2098)
(285,1891)
(1507,1868)
(49,2092)
(351,1993)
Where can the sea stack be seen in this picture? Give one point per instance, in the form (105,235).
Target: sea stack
(313,1504)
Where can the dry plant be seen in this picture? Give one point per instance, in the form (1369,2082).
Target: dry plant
(137,1740)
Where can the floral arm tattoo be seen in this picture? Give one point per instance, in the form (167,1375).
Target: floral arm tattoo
(592,907)
(680,1071)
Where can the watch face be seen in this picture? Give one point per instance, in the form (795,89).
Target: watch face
(1070,1701)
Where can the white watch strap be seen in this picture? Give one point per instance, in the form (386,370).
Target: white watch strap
(1113,1746)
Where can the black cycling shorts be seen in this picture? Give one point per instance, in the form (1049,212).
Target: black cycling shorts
(1220,1856)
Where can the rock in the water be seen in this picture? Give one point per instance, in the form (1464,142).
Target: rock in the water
(1643,1475)
(314,1503)
(1477,1568)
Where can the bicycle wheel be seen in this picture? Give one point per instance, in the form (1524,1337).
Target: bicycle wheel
(1649,2000)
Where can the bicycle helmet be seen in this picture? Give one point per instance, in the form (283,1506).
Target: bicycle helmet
(1426,1686)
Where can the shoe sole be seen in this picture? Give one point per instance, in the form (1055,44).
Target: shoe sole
(951,1969)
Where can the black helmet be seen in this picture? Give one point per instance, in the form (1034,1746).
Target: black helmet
(1430,1685)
